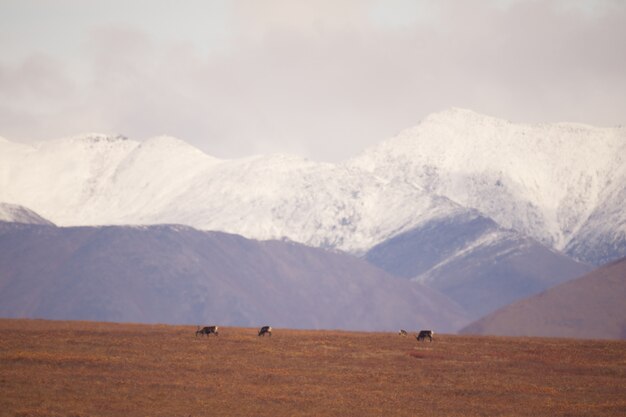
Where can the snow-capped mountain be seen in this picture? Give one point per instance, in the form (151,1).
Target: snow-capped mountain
(97,180)
(561,184)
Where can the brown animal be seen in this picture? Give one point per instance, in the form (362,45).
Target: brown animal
(207,330)
(423,334)
(265,329)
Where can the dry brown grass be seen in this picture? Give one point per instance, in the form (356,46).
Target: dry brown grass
(76,369)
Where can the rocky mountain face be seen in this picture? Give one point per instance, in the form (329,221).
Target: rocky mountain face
(176,274)
(589,307)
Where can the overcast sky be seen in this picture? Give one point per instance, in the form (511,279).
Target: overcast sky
(322,79)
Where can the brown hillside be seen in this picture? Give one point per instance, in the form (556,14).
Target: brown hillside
(104,369)
(593,306)
(179,275)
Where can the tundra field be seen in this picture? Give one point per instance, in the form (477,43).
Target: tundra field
(56,368)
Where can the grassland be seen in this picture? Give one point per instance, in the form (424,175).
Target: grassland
(50,368)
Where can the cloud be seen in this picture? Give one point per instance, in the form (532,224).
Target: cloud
(38,76)
(325,79)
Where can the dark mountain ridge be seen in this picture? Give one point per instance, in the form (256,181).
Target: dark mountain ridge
(177,274)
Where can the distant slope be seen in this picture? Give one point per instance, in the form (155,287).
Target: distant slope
(593,306)
(475,262)
(18,214)
(176,274)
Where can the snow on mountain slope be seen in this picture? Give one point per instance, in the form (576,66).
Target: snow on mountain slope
(14,213)
(542,180)
(561,184)
(142,183)
(474,261)
(97,180)
(57,178)
(602,238)
(321,205)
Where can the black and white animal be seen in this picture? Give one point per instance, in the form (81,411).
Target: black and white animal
(265,329)
(423,334)
(207,330)
(402,332)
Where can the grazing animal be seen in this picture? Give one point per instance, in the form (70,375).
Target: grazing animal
(207,330)
(402,332)
(423,334)
(265,329)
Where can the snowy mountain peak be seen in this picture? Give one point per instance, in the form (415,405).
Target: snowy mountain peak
(168,147)
(554,183)
(461,115)
(86,139)
(543,180)
(100,137)
(165,141)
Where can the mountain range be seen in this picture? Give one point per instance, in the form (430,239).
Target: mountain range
(176,274)
(559,184)
(483,211)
